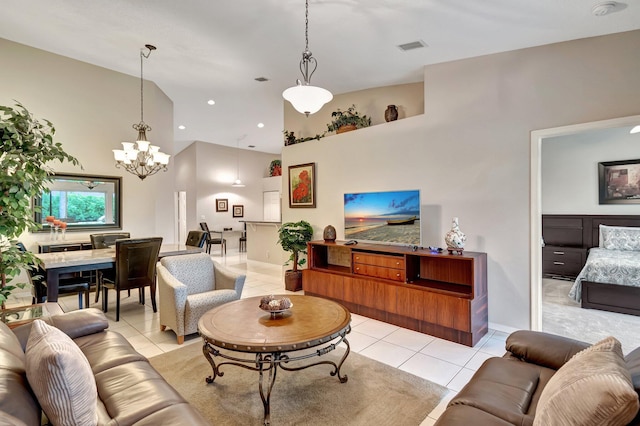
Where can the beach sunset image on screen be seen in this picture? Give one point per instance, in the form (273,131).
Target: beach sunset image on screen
(388,216)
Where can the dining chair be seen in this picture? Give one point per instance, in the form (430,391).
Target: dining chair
(75,284)
(196,238)
(135,268)
(102,241)
(242,241)
(213,241)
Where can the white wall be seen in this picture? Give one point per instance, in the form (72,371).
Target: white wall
(570,170)
(469,153)
(206,171)
(93,109)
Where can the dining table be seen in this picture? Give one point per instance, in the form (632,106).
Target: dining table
(58,263)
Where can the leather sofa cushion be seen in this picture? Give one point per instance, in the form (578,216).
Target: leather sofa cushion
(506,388)
(11,353)
(74,324)
(133,391)
(593,388)
(107,350)
(548,350)
(16,398)
(458,415)
(61,377)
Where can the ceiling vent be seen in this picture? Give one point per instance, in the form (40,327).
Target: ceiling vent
(412,45)
(261,79)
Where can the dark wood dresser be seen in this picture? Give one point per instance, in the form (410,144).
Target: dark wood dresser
(569,237)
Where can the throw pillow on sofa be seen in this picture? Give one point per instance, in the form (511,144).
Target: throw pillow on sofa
(593,388)
(60,377)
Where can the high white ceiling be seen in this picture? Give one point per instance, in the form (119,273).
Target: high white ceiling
(212,49)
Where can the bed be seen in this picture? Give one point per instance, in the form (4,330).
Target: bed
(610,279)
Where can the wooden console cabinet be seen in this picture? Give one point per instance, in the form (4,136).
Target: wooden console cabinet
(435,293)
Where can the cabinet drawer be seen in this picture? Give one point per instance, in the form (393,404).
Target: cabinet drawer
(379,260)
(571,269)
(560,254)
(379,272)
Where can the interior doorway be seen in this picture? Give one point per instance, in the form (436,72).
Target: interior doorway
(537,138)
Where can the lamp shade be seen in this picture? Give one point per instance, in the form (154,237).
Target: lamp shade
(635,130)
(307,99)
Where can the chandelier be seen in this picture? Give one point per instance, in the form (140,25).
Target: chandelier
(305,98)
(140,157)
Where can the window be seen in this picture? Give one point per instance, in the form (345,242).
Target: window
(81,201)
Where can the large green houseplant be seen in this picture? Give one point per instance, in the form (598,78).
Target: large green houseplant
(27,148)
(350,119)
(293,237)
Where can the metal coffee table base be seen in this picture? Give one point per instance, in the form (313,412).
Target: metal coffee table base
(268,362)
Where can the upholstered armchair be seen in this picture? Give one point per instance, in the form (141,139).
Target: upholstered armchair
(191,285)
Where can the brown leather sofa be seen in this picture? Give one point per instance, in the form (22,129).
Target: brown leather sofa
(505,391)
(130,390)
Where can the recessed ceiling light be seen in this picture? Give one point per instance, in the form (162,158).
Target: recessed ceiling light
(261,79)
(181,127)
(252,146)
(260,125)
(211,102)
(604,8)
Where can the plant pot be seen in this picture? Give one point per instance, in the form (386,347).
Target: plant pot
(346,128)
(293,280)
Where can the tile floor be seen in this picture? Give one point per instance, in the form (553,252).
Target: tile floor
(440,361)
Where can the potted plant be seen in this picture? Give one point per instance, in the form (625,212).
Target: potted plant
(291,139)
(293,237)
(345,121)
(275,168)
(27,147)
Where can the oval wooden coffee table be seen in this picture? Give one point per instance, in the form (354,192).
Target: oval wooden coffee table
(275,340)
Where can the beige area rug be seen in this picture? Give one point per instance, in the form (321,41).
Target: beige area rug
(374,393)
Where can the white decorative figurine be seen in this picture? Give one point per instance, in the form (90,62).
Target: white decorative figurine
(455,238)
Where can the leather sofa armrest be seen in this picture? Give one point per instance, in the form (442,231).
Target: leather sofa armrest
(548,350)
(75,324)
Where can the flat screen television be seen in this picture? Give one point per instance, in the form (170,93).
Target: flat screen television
(389,216)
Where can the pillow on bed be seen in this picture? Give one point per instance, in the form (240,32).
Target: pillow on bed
(619,238)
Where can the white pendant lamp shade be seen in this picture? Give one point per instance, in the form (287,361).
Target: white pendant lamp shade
(635,130)
(307,99)
(304,97)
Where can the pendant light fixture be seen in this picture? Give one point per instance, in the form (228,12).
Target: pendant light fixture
(636,129)
(141,158)
(304,97)
(238,183)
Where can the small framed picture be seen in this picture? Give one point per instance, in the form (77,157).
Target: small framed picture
(238,211)
(302,185)
(222,205)
(619,182)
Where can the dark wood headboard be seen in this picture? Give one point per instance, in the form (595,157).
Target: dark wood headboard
(572,230)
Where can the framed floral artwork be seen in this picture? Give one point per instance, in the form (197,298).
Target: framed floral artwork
(222,205)
(238,211)
(302,185)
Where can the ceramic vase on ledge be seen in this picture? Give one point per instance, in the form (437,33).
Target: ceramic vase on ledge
(455,238)
(391,113)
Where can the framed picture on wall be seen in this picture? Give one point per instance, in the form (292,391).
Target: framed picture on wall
(238,211)
(302,185)
(619,182)
(222,205)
